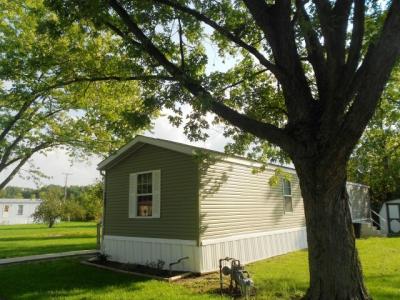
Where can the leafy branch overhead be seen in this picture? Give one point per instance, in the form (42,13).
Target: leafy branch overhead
(376,160)
(302,76)
(74,91)
(255,32)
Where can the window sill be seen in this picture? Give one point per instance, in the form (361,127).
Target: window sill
(143,218)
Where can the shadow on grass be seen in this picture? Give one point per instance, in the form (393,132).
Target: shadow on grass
(44,238)
(61,279)
(42,227)
(22,250)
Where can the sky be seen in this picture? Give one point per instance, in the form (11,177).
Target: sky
(57,162)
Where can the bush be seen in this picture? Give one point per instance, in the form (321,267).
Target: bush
(72,210)
(50,209)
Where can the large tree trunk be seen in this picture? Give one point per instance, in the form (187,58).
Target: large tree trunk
(335,270)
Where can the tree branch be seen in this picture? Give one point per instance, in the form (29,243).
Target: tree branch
(17,116)
(7,151)
(275,21)
(23,160)
(314,49)
(334,22)
(111,78)
(121,33)
(226,33)
(41,93)
(13,173)
(181,44)
(357,35)
(372,75)
(255,74)
(266,131)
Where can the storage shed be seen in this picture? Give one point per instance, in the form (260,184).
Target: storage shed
(166,200)
(389,217)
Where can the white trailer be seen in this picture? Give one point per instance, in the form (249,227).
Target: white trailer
(17,211)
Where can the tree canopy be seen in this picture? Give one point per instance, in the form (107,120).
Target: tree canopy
(376,160)
(304,77)
(61,92)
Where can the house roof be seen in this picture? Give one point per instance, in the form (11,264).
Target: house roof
(20,201)
(140,140)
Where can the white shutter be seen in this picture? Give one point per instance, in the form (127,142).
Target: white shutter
(132,195)
(156,193)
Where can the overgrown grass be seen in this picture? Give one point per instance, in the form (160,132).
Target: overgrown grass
(31,239)
(284,277)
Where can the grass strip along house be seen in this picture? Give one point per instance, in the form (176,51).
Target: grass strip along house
(165,201)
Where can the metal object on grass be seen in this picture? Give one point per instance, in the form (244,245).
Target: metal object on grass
(240,281)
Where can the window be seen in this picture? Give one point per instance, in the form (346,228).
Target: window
(6,208)
(287,195)
(144,195)
(20,211)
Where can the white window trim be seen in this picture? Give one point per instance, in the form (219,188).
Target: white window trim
(156,192)
(284,195)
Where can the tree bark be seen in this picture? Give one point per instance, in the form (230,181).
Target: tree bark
(335,269)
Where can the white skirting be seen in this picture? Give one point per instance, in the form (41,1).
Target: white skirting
(204,258)
(255,246)
(149,250)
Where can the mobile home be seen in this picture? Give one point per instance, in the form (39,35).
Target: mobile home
(17,211)
(166,200)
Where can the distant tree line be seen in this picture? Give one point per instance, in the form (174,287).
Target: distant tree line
(82,203)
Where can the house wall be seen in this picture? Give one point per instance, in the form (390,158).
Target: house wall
(242,215)
(221,210)
(179,196)
(13,218)
(235,201)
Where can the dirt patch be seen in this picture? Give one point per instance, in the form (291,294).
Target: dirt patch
(204,284)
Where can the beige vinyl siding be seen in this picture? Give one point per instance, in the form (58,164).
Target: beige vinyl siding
(179,195)
(235,201)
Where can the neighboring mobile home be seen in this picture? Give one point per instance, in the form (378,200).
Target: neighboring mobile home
(165,201)
(17,211)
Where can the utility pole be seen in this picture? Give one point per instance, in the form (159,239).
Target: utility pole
(65,185)
(65,190)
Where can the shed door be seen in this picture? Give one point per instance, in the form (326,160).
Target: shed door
(393,216)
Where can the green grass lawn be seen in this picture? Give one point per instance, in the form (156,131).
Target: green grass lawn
(284,277)
(21,240)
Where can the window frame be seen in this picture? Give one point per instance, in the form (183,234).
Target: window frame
(287,195)
(20,210)
(155,192)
